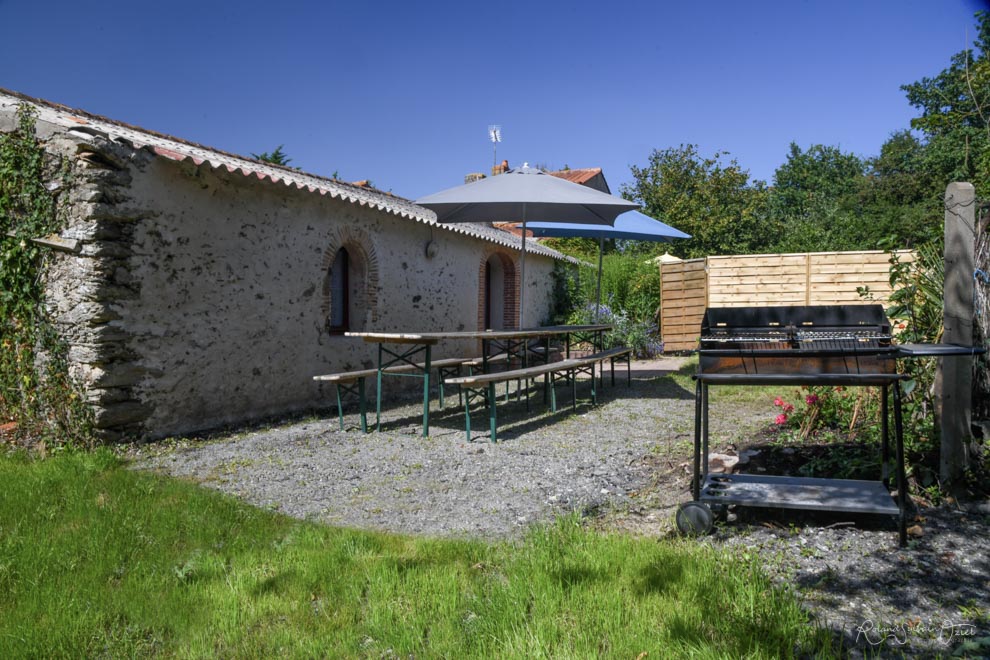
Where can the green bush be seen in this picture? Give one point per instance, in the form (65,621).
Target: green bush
(630,300)
(36,392)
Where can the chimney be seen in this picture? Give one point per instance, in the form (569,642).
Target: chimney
(473,176)
(500,169)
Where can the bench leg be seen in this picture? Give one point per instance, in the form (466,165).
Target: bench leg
(378,393)
(491,410)
(613,371)
(363,406)
(467,416)
(359,391)
(553,392)
(340,406)
(426,393)
(601,374)
(572,374)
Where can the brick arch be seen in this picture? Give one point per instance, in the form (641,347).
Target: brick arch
(510,278)
(364,261)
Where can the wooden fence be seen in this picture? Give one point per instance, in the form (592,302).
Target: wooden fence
(763,280)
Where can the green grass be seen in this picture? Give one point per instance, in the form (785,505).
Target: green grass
(739,394)
(97,560)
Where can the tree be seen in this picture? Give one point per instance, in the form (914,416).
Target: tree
(277,157)
(814,200)
(714,202)
(902,198)
(955,115)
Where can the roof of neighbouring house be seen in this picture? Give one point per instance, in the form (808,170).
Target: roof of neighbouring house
(172,148)
(585,177)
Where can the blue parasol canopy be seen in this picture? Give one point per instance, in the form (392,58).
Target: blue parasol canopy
(629,226)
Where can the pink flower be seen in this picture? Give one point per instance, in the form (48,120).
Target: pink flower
(778,401)
(788,408)
(780,420)
(811,399)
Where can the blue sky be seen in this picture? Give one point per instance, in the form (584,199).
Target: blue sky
(402,93)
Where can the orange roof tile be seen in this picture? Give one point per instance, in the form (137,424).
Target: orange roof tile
(578,176)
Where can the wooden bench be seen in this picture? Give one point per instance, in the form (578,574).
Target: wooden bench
(613,355)
(353,382)
(483,386)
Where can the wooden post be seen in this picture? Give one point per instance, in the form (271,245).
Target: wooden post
(955,404)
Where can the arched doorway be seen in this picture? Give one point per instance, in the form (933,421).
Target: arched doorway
(497,302)
(494,294)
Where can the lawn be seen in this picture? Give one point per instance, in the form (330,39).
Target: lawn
(98,560)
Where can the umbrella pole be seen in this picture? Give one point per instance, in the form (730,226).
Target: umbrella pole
(598,287)
(522,272)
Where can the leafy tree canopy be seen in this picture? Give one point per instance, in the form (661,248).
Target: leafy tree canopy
(712,200)
(813,203)
(814,182)
(955,114)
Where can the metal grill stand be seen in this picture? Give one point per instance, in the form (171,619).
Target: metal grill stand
(825,345)
(848,345)
(840,495)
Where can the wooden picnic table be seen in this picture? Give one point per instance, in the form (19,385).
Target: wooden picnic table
(516,343)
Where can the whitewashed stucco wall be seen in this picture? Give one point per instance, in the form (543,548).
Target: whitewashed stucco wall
(194,296)
(229,321)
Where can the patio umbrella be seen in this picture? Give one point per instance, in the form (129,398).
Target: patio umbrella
(526,194)
(630,226)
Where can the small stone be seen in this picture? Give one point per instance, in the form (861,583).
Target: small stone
(721,463)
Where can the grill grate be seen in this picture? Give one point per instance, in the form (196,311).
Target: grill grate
(805,341)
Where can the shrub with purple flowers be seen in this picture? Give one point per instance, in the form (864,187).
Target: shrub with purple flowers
(641,336)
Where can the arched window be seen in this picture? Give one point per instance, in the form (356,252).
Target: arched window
(339,293)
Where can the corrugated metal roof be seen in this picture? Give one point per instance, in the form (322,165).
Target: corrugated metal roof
(173,148)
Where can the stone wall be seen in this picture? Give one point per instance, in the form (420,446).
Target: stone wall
(198,297)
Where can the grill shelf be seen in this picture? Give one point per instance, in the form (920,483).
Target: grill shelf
(846,495)
(849,345)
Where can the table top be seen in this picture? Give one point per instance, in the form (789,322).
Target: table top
(434,337)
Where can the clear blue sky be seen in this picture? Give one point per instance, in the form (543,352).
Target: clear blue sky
(402,93)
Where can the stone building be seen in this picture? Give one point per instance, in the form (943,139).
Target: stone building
(197,288)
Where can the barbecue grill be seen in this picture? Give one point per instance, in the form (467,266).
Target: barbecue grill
(848,345)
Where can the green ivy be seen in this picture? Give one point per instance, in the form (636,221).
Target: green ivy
(36,392)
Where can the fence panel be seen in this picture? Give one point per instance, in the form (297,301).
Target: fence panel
(822,278)
(683,294)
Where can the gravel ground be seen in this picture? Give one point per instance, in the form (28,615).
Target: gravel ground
(443,485)
(625,463)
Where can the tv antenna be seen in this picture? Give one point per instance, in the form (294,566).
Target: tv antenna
(495,135)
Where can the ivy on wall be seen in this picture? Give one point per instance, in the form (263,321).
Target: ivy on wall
(39,402)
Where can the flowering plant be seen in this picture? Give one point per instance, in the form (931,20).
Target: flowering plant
(826,409)
(641,336)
